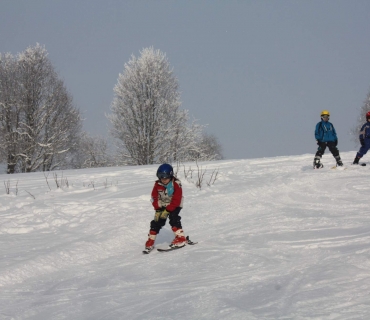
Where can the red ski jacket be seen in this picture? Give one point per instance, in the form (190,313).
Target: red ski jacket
(161,198)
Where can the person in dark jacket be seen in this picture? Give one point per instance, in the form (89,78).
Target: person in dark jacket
(167,201)
(326,136)
(364,139)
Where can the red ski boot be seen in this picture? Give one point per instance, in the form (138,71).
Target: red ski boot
(149,245)
(179,240)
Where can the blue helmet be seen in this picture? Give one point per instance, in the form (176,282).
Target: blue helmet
(165,171)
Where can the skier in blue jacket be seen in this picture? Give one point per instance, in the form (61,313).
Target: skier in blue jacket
(326,137)
(364,139)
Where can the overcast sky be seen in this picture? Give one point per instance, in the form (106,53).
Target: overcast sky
(257,72)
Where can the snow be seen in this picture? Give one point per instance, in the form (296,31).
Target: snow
(277,240)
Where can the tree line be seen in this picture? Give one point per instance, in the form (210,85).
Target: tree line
(41,128)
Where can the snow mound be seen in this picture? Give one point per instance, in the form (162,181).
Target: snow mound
(277,240)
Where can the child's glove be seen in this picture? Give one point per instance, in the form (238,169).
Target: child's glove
(161,214)
(362,141)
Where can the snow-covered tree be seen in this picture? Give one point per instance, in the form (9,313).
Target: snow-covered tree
(146,118)
(209,148)
(361,118)
(43,123)
(10,111)
(91,152)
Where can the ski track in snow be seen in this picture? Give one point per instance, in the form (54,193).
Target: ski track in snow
(277,240)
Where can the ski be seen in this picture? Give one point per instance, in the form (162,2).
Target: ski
(148,250)
(339,167)
(169,248)
(188,241)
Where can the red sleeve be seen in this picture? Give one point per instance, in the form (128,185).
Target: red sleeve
(176,197)
(155,197)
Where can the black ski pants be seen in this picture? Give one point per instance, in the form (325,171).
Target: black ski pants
(332,145)
(174,218)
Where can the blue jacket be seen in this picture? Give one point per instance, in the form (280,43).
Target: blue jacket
(325,132)
(365,131)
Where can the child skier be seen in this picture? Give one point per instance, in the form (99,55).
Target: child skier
(326,137)
(364,139)
(167,202)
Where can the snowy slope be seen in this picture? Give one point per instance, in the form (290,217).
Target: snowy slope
(277,240)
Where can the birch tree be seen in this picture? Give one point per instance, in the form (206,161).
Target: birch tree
(10,111)
(146,118)
(43,124)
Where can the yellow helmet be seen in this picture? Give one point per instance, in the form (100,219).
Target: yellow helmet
(325,113)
